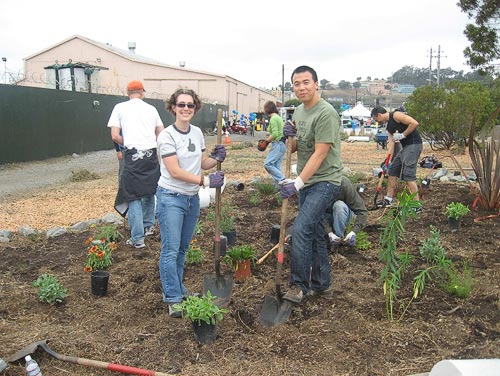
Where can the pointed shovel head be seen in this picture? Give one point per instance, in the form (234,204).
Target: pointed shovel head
(220,286)
(274,311)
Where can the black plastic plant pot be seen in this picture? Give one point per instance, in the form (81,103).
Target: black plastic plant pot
(454,224)
(99,282)
(223,246)
(204,333)
(231,237)
(275,234)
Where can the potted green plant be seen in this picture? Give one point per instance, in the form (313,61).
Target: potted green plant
(240,258)
(455,211)
(203,314)
(99,258)
(227,217)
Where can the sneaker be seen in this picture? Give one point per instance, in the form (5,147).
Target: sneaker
(135,245)
(149,231)
(385,203)
(173,311)
(294,294)
(326,293)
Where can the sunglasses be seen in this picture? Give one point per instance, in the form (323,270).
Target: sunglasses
(188,105)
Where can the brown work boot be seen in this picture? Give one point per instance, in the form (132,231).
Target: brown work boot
(294,294)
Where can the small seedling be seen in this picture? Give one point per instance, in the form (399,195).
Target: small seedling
(198,309)
(194,254)
(49,289)
(456,210)
(109,233)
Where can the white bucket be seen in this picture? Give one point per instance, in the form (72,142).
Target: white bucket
(204,197)
(466,367)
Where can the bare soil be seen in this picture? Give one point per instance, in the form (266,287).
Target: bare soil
(347,333)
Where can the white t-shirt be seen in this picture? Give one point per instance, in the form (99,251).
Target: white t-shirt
(138,121)
(188,147)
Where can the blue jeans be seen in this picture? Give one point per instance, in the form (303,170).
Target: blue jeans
(177,217)
(341,216)
(310,266)
(274,159)
(141,214)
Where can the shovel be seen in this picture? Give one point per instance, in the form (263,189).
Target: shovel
(220,286)
(30,349)
(276,310)
(380,181)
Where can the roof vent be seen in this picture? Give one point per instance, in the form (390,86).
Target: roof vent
(182,64)
(131,47)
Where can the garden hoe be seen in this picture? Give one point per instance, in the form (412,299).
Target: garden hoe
(30,349)
(276,310)
(220,286)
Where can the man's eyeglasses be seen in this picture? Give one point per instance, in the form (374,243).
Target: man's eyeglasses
(188,105)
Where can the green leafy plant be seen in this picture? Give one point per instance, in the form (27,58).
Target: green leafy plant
(49,289)
(83,175)
(201,308)
(456,210)
(109,233)
(227,213)
(362,242)
(265,188)
(239,253)
(394,264)
(99,254)
(459,282)
(254,198)
(194,255)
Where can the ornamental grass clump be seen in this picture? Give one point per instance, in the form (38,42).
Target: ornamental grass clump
(99,254)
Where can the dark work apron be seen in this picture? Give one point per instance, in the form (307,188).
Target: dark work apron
(141,172)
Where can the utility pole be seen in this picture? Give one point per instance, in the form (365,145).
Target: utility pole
(4,59)
(438,63)
(430,68)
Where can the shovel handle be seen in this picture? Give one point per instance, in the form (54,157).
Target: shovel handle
(104,365)
(266,255)
(217,199)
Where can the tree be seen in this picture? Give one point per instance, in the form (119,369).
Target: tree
(445,113)
(325,84)
(344,85)
(292,102)
(483,34)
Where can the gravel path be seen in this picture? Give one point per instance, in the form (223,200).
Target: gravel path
(20,178)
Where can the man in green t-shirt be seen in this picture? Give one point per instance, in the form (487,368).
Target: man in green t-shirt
(319,167)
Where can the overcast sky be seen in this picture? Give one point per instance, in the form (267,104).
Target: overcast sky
(249,40)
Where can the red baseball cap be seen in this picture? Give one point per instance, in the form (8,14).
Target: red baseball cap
(135,86)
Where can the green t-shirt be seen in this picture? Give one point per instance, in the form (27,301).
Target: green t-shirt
(319,124)
(276,127)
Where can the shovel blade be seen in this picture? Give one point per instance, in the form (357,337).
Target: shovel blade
(274,311)
(220,286)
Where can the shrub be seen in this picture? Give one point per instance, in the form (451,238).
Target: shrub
(459,282)
(239,253)
(265,188)
(198,309)
(456,210)
(49,289)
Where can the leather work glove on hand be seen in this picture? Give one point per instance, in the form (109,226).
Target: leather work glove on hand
(335,241)
(289,130)
(290,187)
(214,180)
(398,137)
(350,239)
(262,145)
(218,153)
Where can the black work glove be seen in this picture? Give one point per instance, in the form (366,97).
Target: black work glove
(262,145)
(218,153)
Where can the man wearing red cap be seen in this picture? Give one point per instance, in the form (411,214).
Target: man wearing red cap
(136,125)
